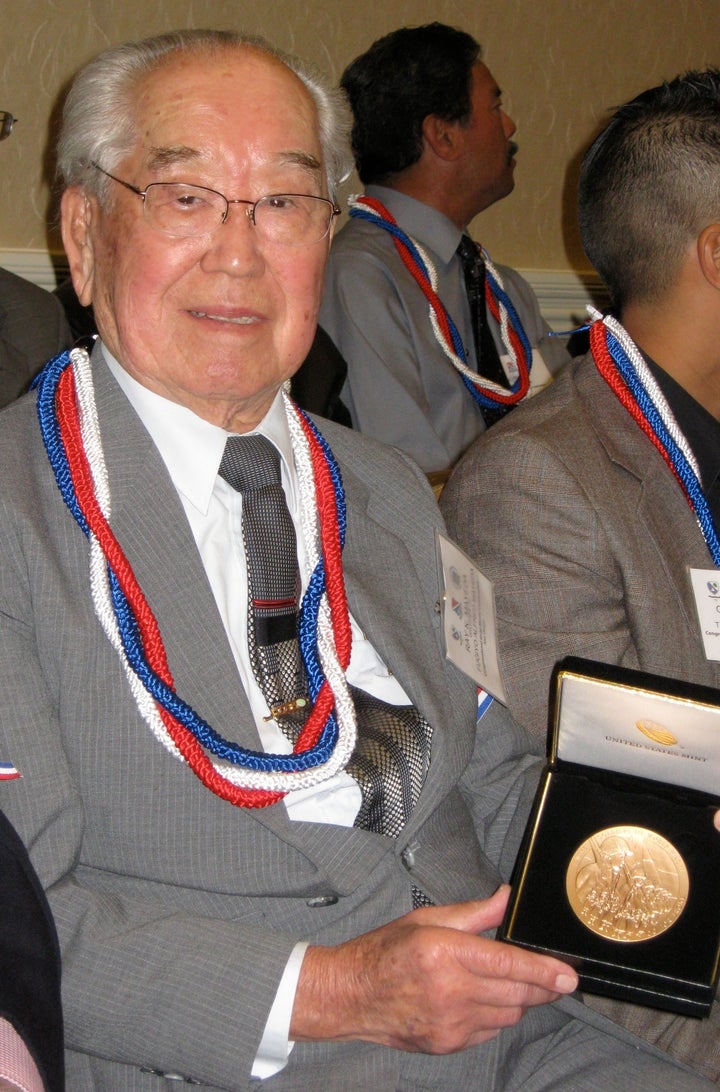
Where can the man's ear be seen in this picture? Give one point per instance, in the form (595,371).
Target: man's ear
(78,211)
(441,136)
(708,252)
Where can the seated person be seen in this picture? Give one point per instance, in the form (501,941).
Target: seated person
(255,830)
(433,148)
(573,506)
(31,1029)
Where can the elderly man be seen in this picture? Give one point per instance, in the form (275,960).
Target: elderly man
(233,840)
(414,305)
(594,545)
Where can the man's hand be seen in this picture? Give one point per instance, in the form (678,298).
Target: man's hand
(425,982)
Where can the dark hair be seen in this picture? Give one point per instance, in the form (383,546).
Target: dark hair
(396,84)
(650,183)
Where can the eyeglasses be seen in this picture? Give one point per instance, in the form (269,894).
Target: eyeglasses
(184,211)
(6,124)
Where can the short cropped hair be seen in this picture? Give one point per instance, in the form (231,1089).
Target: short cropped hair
(99,119)
(402,79)
(650,183)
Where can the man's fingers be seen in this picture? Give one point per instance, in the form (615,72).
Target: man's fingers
(502,962)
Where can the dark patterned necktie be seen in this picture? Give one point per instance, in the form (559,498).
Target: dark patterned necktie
(251,464)
(392,754)
(486,354)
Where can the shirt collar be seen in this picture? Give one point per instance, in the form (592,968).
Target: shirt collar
(191,447)
(423,223)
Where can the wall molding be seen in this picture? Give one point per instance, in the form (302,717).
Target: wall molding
(38,266)
(563,295)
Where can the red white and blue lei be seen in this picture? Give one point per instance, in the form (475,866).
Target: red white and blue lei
(420,266)
(245,778)
(623,368)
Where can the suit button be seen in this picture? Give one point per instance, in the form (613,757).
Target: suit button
(408,857)
(319,901)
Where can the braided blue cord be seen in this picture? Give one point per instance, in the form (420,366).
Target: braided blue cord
(501,295)
(207,736)
(685,472)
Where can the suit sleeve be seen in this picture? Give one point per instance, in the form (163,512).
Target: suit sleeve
(499,784)
(526,521)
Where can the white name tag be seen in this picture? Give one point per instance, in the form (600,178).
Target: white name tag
(539,374)
(468,614)
(706,589)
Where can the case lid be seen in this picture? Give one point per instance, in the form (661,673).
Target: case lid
(633,723)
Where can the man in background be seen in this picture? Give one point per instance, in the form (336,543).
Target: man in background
(433,147)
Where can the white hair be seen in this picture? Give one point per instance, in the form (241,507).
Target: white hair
(99,121)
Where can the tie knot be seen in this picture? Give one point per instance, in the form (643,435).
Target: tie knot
(250,463)
(469,254)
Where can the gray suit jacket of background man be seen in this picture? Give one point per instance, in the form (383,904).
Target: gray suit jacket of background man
(32,330)
(176,911)
(589,541)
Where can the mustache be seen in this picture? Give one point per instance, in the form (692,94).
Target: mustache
(512,150)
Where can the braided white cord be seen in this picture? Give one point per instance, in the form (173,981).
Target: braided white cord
(99,579)
(104,609)
(504,317)
(327,652)
(650,384)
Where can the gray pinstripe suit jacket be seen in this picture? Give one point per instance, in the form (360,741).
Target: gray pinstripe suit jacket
(170,904)
(177,912)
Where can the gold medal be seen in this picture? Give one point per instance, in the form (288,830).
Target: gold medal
(627,883)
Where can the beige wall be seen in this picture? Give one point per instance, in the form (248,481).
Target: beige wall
(561,63)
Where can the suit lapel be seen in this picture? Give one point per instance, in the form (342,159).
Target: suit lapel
(394,602)
(663,516)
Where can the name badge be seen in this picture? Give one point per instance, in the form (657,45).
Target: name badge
(468,616)
(539,373)
(706,589)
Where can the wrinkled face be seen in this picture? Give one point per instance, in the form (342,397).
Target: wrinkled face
(488,163)
(215,322)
